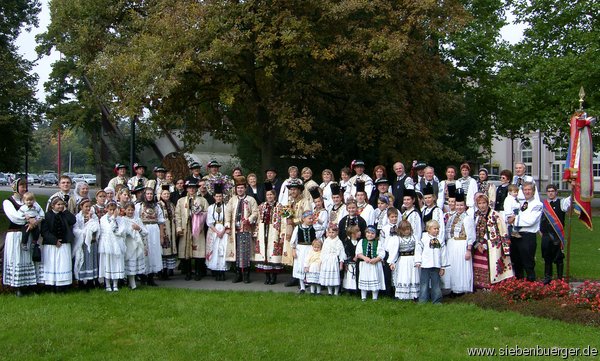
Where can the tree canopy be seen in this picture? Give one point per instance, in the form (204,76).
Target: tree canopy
(18,105)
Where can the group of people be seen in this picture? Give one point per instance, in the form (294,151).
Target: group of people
(409,236)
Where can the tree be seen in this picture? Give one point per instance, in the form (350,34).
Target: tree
(18,106)
(558,55)
(316,79)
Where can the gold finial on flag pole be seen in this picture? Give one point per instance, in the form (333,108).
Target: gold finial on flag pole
(581,98)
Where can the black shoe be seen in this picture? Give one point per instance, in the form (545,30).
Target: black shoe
(188,276)
(238,277)
(267,278)
(292,282)
(247,276)
(273,278)
(151,280)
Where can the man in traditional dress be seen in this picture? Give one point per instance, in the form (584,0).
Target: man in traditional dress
(337,210)
(190,214)
(382,186)
(139,178)
(401,182)
(120,170)
(553,234)
(522,250)
(156,184)
(65,193)
(241,215)
(194,172)
(297,205)
(358,166)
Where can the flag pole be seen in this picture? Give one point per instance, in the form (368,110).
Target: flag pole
(568,270)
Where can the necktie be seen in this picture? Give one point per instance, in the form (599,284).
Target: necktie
(520,181)
(139,182)
(66,198)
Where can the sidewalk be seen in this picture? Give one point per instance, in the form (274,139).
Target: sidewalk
(209,283)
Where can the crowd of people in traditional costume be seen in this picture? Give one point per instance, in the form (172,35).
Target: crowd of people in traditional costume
(406,236)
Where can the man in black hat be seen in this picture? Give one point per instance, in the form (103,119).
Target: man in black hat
(194,171)
(190,245)
(241,214)
(213,171)
(358,166)
(400,183)
(271,177)
(382,185)
(121,178)
(139,178)
(156,184)
(337,209)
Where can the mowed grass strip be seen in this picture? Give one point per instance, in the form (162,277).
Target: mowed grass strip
(170,324)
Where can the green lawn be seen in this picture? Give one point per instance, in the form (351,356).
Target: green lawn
(170,324)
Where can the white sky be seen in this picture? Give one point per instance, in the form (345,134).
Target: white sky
(26,43)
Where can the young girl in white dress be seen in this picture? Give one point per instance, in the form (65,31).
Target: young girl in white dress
(332,261)
(370,273)
(402,263)
(111,248)
(312,267)
(136,242)
(85,248)
(300,243)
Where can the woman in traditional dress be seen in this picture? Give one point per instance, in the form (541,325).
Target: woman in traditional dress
(82,190)
(460,235)
(19,270)
(169,242)
(136,242)
(468,184)
(485,187)
(450,181)
(99,208)
(152,216)
(328,178)
(268,249)
(57,231)
(491,255)
(85,247)
(216,237)
(308,182)
(320,214)
(123,198)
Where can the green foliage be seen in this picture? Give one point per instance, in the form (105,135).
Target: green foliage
(18,106)
(326,79)
(545,71)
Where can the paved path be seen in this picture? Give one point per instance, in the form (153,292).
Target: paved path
(209,283)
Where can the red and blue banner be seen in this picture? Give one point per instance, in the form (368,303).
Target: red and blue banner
(578,167)
(554,222)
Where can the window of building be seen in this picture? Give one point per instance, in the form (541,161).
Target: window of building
(527,156)
(596,169)
(557,173)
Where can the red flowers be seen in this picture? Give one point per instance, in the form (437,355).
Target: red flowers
(586,295)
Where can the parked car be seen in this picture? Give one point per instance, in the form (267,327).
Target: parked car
(494,179)
(3,179)
(36,178)
(49,179)
(86,177)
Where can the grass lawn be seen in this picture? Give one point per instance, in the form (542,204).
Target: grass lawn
(171,324)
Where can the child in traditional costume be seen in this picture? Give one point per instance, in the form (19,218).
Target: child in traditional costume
(312,267)
(136,243)
(85,247)
(370,275)
(402,262)
(111,248)
(302,238)
(431,258)
(216,237)
(332,261)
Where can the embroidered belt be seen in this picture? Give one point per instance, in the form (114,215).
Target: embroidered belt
(407,253)
(149,222)
(459,238)
(304,243)
(14,230)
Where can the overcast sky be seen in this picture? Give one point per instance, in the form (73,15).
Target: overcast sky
(26,43)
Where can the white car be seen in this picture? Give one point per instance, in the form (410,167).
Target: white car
(88,178)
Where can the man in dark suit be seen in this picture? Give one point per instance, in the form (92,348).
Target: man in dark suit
(399,183)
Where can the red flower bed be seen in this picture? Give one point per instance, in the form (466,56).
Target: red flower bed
(586,295)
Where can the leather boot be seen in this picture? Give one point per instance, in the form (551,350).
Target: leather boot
(238,276)
(187,269)
(547,273)
(197,270)
(267,278)
(559,271)
(273,278)
(292,282)
(247,275)
(151,280)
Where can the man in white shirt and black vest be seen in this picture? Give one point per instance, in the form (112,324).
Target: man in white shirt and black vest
(553,234)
